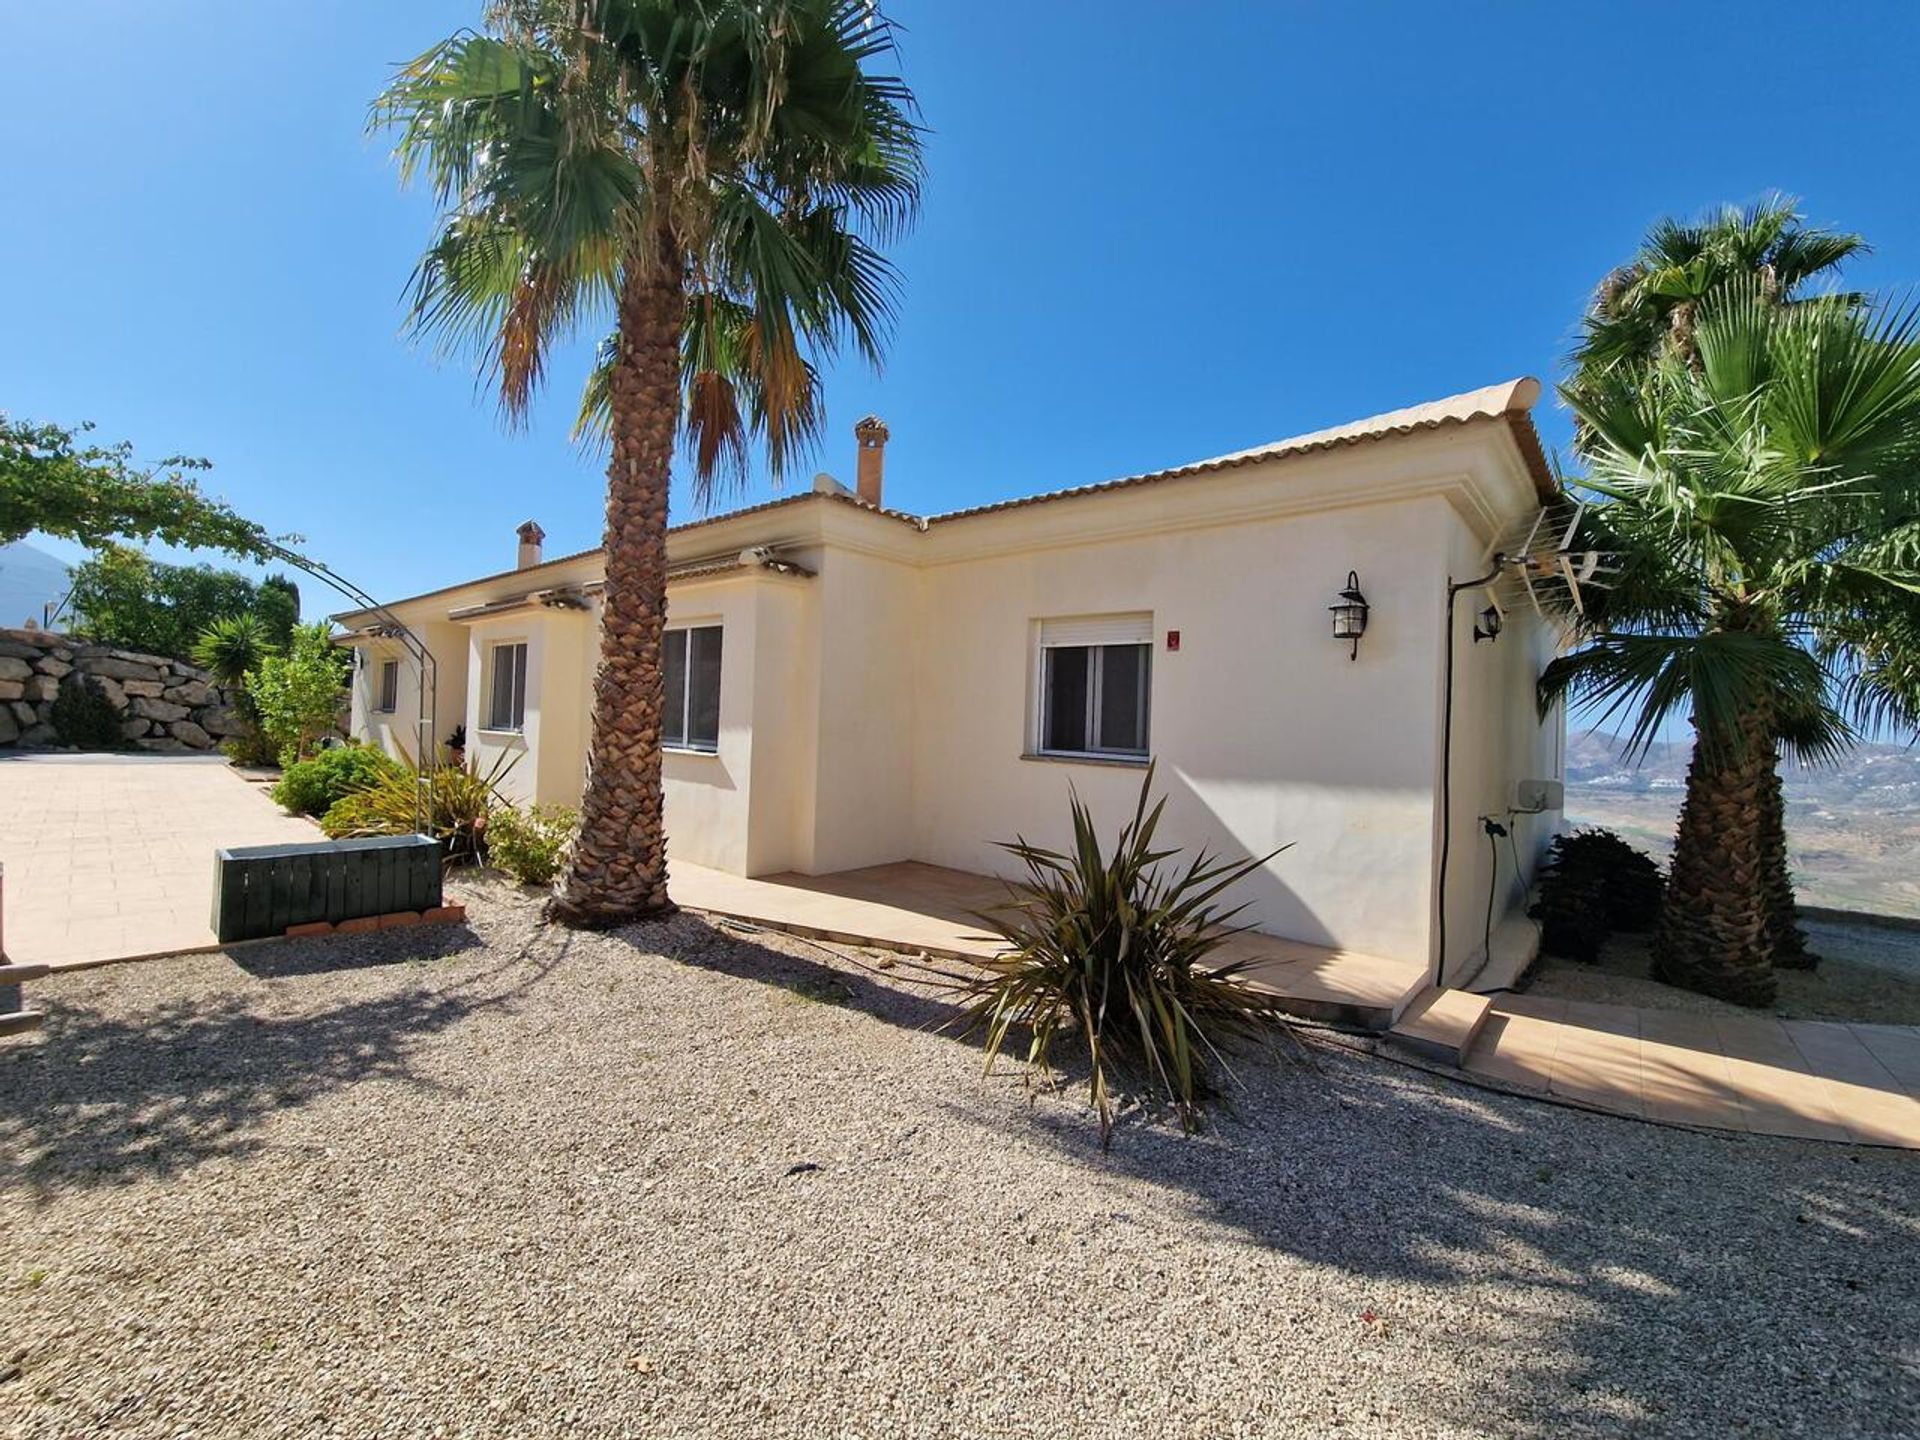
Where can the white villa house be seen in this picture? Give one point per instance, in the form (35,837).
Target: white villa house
(850,685)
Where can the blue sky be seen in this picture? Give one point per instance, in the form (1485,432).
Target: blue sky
(1152,233)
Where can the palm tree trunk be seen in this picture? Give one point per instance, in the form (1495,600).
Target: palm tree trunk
(1783,913)
(618,870)
(1715,934)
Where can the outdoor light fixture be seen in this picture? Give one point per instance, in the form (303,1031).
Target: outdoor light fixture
(1487,627)
(1350,614)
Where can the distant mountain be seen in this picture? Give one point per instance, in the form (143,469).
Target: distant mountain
(30,579)
(1880,779)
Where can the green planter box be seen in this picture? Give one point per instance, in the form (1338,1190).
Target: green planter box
(260,890)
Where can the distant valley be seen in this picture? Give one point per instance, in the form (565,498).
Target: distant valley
(1853,828)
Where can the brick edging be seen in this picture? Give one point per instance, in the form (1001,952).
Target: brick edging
(394,920)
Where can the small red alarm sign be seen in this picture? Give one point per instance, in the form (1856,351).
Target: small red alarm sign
(1173,639)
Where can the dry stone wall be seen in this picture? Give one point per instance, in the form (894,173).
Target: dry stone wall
(164,705)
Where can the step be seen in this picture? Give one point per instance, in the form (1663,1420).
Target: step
(18,1022)
(1441,1024)
(21,974)
(1516,944)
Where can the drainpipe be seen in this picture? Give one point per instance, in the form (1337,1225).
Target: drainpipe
(1446,770)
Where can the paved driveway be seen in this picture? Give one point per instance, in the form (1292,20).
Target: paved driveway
(111,856)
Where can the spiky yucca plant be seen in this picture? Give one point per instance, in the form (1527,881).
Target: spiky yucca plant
(453,802)
(1115,947)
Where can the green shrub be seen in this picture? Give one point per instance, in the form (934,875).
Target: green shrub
(531,845)
(231,646)
(255,747)
(457,801)
(1116,948)
(313,787)
(296,695)
(1593,884)
(1629,879)
(83,716)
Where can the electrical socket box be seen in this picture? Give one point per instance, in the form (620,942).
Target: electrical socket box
(1534,797)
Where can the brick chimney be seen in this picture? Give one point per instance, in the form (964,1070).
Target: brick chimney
(530,537)
(872,435)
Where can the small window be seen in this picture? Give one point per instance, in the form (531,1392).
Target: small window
(692,717)
(1095,686)
(389,686)
(507,692)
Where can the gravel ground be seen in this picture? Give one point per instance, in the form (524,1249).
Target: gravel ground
(1867,973)
(677,1182)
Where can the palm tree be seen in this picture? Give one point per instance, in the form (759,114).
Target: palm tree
(1760,489)
(711,176)
(1648,308)
(231,646)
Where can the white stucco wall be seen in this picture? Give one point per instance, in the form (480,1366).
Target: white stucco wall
(786,724)
(1499,739)
(542,762)
(708,796)
(1265,733)
(398,732)
(880,708)
(871,636)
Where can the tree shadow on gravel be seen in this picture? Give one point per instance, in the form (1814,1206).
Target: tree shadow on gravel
(110,1097)
(1615,1278)
(1666,1281)
(897,990)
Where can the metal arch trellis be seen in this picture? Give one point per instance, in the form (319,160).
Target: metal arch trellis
(392,628)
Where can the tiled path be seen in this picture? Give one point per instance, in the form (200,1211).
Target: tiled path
(109,856)
(925,907)
(1817,1079)
(1801,1078)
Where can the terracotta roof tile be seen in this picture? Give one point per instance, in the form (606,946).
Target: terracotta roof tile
(1509,401)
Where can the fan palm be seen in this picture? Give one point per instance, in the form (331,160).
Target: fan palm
(1649,308)
(710,177)
(1650,305)
(1760,492)
(231,646)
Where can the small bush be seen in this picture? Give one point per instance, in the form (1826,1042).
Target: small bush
(1593,884)
(313,787)
(458,800)
(252,748)
(1629,879)
(531,845)
(83,716)
(296,695)
(1115,948)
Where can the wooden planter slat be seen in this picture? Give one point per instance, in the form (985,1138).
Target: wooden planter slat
(260,890)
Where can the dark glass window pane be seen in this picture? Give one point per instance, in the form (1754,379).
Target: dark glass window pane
(389,684)
(500,706)
(1064,717)
(703,669)
(519,686)
(673,724)
(1123,693)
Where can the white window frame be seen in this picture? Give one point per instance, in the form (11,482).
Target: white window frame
(387,696)
(685,746)
(518,700)
(1092,633)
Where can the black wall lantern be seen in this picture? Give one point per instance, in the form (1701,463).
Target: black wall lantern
(1487,627)
(1350,614)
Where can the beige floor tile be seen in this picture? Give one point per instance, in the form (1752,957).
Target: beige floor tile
(1897,1047)
(1599,1067)
(80,887)
(928,907)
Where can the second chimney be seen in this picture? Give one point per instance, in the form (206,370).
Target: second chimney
(530,537)
(872,435)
